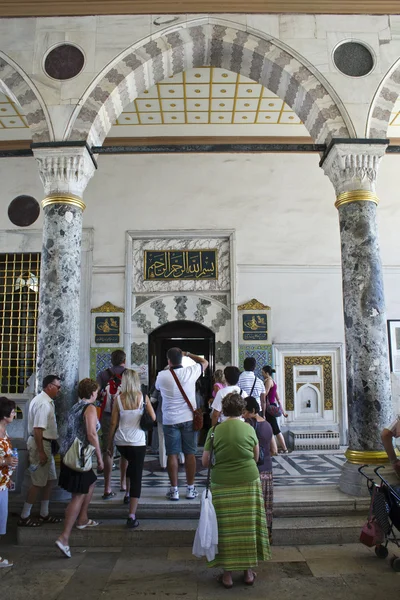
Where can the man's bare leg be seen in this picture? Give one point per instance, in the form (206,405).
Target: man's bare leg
(172,467)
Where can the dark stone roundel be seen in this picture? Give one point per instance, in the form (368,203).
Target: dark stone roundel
(64,62)
(353,59)
(23,210)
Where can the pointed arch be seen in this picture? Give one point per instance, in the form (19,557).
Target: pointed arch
(216,45)
(16,84)
(383,103)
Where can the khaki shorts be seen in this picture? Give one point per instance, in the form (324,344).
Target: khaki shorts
(44,473)
(105,431)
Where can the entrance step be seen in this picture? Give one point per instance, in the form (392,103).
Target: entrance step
(288,531)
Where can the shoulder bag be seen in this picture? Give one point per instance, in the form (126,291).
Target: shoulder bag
(79,456)
(198,413)
(146,422)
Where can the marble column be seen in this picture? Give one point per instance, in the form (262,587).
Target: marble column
(352,169)
(65,173)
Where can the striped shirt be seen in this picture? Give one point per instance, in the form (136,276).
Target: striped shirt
(246,381)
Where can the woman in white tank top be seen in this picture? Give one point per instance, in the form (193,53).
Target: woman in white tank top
(128,436)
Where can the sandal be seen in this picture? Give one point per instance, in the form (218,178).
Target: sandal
(5,563)
(50,519)
(220,579)
(252,581)
(90,523)
(108,495)
(28,522)
(64,549)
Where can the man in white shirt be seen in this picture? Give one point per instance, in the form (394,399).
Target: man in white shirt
(178,417)
(231,377)
(252,384)
(42,431)
(388,435)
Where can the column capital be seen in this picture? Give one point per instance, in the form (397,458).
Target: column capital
(65,171)
(353,167)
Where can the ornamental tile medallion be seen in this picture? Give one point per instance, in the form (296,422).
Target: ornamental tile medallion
(327,377)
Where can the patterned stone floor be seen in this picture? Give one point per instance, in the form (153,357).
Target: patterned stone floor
(295,469)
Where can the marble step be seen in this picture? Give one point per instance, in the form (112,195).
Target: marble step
(289,531)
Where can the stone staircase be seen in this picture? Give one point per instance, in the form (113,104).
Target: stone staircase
(316,516)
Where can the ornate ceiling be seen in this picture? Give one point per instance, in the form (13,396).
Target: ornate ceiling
(199,102)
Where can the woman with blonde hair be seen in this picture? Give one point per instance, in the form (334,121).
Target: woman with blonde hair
(130,439)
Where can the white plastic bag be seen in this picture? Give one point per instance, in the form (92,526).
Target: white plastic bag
(206,538)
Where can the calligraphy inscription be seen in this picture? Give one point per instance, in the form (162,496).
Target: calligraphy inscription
(255,326)
(106,330)
(180,264)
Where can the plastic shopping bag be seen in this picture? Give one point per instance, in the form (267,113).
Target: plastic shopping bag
(206,538)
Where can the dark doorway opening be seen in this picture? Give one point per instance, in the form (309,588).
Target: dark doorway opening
(186,335)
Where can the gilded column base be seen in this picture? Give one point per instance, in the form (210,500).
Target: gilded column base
(68,199)
(366,457)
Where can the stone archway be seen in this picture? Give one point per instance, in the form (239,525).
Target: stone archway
(15,83)
(261,59)
(383,103)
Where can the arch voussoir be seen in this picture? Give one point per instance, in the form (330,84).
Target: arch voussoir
(213,45)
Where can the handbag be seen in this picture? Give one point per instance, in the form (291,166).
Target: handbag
(78,456)
(371,533)
(273,410)
(198,413)
(206,538)
(146,422)
(261,456)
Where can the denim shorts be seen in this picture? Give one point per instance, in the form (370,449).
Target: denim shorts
(180,438)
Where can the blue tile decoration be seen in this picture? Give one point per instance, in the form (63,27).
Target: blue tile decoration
(223,353)
(142,322)
(180,307)
(261,352)
(159,310)
(201,310)
(100,359)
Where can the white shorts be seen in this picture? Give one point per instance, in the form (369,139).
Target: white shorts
(44,473)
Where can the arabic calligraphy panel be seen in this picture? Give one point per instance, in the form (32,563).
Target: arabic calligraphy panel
(106,330)
(180,264)
(254,326)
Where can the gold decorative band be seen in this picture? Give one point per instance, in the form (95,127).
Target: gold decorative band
(64,199)
(366,457)
(356,196)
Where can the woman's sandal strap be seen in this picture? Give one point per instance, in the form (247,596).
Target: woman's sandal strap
(28,522)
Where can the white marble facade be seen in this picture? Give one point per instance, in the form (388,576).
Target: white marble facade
(155,303)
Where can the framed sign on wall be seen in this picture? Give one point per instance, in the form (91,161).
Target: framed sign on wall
(394,344)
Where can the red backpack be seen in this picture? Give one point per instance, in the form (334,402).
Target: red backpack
(109,393)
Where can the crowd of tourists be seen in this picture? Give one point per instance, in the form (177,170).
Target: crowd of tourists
(113,414)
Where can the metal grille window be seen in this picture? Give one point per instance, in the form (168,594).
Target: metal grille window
(19,302)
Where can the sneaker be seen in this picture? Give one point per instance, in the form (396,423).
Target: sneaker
(191,493)
(172,495)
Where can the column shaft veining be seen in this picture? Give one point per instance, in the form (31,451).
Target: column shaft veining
(352,168)
(65,173)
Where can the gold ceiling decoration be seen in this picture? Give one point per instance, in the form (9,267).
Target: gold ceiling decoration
(253,305)
(208,95)
(11,116)
(108,307)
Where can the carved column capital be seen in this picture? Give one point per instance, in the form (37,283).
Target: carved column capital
(65,171)
(353,167)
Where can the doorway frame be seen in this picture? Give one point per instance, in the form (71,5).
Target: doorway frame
(132,235)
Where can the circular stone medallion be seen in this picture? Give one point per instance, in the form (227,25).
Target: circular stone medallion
(23,211)
(64,62)
(353,59)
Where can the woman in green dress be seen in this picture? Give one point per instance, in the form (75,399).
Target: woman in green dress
(237,495)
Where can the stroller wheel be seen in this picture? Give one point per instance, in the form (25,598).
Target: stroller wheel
(381,551)
(395,564)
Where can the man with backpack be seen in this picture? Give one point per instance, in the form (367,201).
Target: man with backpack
(109,381)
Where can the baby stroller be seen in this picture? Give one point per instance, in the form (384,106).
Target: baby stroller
(384,515)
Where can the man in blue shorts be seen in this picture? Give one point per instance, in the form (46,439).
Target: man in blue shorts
(178,418)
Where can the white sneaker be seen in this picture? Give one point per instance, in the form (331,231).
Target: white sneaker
(172,495)
(191,493)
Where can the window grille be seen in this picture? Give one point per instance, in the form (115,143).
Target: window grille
(19,303)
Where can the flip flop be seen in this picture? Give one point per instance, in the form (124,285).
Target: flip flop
(220,579)
(252,581)
(50,519)
(64,549)
(90,523)
(4,563)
